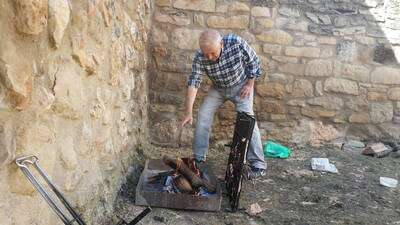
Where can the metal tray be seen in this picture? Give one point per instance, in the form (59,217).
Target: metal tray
(149,196)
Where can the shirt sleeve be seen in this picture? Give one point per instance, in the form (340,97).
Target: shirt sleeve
(196,76)
(251,60)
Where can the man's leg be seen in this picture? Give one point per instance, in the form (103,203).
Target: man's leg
(205,118)
(255,155)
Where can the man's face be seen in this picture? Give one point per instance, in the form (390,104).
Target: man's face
(212,52)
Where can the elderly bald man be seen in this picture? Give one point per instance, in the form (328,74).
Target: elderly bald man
(232,65)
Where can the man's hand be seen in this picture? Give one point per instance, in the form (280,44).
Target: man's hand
(187,119)
(247,89)
(190,96)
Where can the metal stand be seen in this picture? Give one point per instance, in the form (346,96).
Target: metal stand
(65,212)
(237,157)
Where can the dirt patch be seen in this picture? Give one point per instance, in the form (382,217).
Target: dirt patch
(293,194)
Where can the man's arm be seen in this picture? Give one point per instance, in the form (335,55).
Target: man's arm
(251,60)
(252,68)
(193,83)
(190,97)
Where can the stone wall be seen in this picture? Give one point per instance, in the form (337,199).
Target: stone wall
(72,92)
(330,67)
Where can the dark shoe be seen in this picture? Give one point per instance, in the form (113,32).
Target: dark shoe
(199,161)
(256,173)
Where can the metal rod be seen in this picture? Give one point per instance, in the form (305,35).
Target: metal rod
(59,195)
(140,216)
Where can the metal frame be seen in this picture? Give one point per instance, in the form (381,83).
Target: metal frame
(24,162)
(237,157)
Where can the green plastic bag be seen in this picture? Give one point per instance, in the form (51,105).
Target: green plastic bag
(275,150)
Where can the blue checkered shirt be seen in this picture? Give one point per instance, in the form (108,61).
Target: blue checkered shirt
(236,63)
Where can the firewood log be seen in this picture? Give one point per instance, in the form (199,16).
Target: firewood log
(194,180)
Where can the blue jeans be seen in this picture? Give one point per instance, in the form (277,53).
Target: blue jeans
(215,98)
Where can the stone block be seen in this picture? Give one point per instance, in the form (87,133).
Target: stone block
(68,156)
(173,62)
(278,117)
(164,2)
(285,59)
(31,16)
(289,11)
(272,49)
(297,25)
(275,90)
(370,3)
(317,29)
(322,19)
(159,36)
(356,104)
(259,11)
(42,100)
(69,98)
(198,19)
(238,7)
(281,78)
(59,15)
(85,61)
(327,40)
(317,113)
(17,77)
(198,5)
(385,75)
(381,112)
(276,36)
(164,81)
(327,52)
(172,17)
(394,94)
(270,106)
(319,88)
(232,22)
(349,31)
(8,142)
(376,96)
(355,72)
(184,38)
(359,118)
(383,54)
(327,102)
(222,7)
(302,88)
(346,51)
(365,40)
(302,51)
(314,133)
(263,23)
(319,68)
(293,68)
(341,86)
(396,119)
(295,102)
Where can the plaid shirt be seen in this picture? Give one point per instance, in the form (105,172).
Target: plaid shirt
(237,63)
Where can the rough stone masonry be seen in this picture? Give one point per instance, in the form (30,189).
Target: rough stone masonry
(331,67)
(74,78)
(72,92)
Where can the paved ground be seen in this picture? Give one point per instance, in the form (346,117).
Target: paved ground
(293,194)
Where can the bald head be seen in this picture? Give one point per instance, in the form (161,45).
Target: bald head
(209,38)
(210,43)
